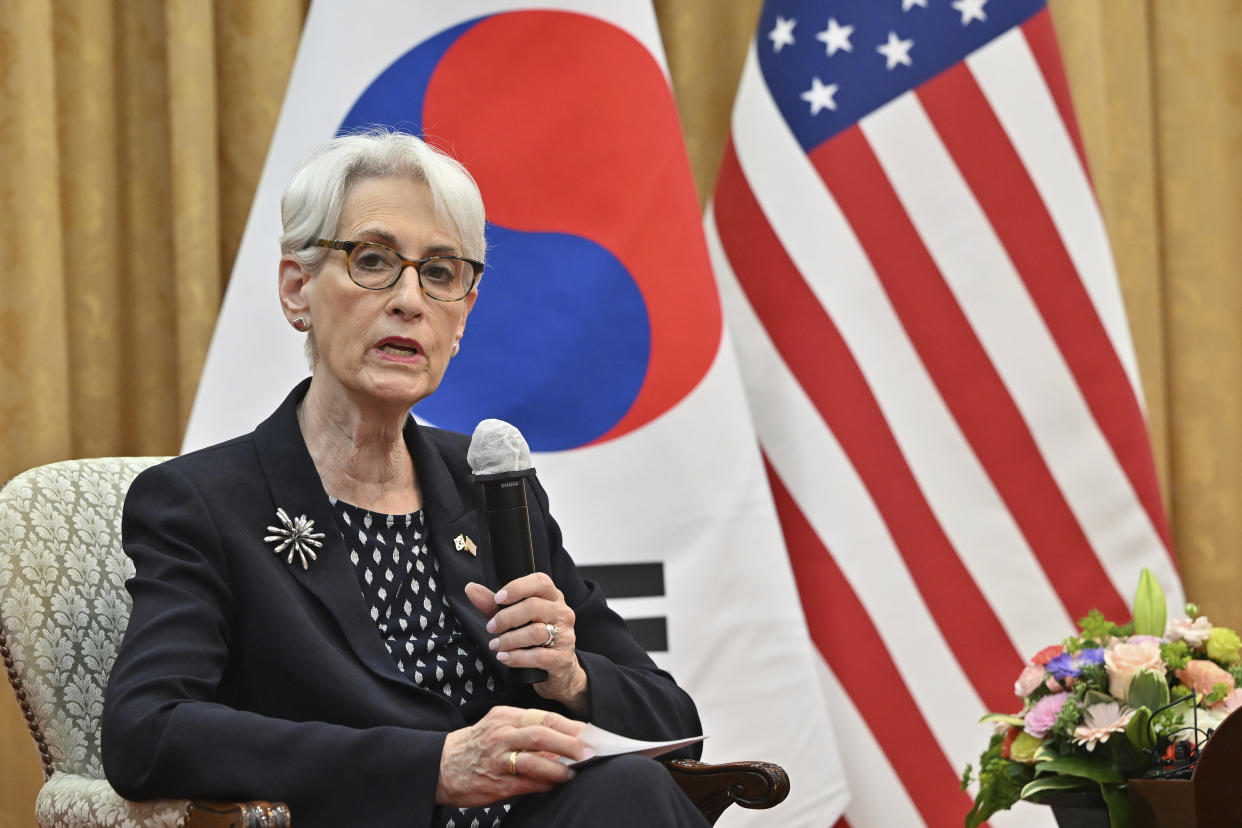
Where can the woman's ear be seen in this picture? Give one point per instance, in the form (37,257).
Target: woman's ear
(292,283)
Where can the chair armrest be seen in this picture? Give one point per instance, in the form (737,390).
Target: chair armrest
(256,814)
(713,788)
(68,800)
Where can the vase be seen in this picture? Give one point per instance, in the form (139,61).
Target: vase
(1078,809)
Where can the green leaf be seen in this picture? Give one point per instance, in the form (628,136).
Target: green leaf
(1219,691)
(1093,696)
(1052,784)
(1000,782)
(1118,806)
(1007,718)
(1175,654)
(1149,606)
(1095,677)
(1095,626)
(1095,768)
(1138,731)
(1046,753)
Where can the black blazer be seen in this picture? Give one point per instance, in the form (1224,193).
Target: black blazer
(241,676)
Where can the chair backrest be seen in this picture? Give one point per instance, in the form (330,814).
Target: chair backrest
(63,604)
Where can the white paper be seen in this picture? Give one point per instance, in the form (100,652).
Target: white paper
(607,744)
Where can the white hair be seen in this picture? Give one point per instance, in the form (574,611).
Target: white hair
(311,205)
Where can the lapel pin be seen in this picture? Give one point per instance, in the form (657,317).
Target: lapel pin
(463,543)
(297,536)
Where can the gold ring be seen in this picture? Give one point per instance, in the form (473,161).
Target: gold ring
(513,763)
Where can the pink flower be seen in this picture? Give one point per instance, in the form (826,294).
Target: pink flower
(1099,721)
(1053,685)
(1233,701)
(1125,658)
(1201,676)
(1040,718)
(1031,678)
(1195,633)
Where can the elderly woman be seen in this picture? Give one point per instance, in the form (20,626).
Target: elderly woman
(363,673)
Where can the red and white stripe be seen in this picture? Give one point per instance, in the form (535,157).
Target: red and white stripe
(928,321)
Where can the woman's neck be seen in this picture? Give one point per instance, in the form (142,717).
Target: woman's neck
(359,450)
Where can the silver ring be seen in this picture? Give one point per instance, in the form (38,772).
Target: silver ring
(552,632)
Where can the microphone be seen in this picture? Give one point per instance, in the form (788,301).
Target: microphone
(499,459)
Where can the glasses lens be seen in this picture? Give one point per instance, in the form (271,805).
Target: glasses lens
(446,279)
(372,266)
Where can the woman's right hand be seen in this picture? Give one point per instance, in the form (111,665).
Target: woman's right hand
(474,767)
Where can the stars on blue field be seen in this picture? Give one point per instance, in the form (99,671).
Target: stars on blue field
(828,64)
(782,33)
(896,51)
(820,96)
(836,37)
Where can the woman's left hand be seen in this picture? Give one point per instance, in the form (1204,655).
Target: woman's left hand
(519,613)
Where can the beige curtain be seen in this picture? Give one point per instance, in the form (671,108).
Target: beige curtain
(132,134)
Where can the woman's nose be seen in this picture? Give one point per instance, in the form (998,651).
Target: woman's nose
(407,297)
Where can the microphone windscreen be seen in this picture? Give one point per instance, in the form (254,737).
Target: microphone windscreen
(498,447)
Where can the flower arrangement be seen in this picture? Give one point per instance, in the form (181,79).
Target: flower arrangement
(1097,708)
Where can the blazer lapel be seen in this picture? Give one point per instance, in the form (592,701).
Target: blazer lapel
(296,488)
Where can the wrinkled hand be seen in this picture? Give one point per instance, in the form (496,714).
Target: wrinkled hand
(518,613)
(474,766)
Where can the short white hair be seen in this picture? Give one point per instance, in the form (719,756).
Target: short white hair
(311,205)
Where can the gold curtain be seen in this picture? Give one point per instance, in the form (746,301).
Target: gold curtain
(1157,85)
(132,134)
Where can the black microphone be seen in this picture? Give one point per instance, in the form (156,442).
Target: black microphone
(500,460)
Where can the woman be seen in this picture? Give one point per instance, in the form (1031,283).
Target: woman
(362,672)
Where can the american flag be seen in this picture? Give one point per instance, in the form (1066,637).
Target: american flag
(918,282)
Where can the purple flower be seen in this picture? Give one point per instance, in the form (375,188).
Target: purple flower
(1069,665)
(1041,717)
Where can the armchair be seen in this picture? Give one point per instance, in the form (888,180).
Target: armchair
(63,611)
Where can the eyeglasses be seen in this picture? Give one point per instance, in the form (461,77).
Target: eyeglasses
(376,267)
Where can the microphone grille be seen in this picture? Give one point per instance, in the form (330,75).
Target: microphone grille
(498,447)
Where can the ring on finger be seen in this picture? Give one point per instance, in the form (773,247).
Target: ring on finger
(513,754)
(552,633)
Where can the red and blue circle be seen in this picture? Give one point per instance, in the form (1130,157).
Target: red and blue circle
(598,311)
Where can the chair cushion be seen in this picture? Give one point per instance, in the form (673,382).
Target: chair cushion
(71,801)
(63,604)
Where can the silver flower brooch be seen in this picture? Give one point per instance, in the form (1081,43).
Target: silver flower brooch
(297,537)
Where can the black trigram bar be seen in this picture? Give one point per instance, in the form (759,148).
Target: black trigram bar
(637,580)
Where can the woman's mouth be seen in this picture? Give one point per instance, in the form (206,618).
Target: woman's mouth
(396,349)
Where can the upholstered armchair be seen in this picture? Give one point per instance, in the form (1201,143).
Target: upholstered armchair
(63,611)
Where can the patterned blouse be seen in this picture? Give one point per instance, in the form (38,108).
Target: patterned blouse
(400,581)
